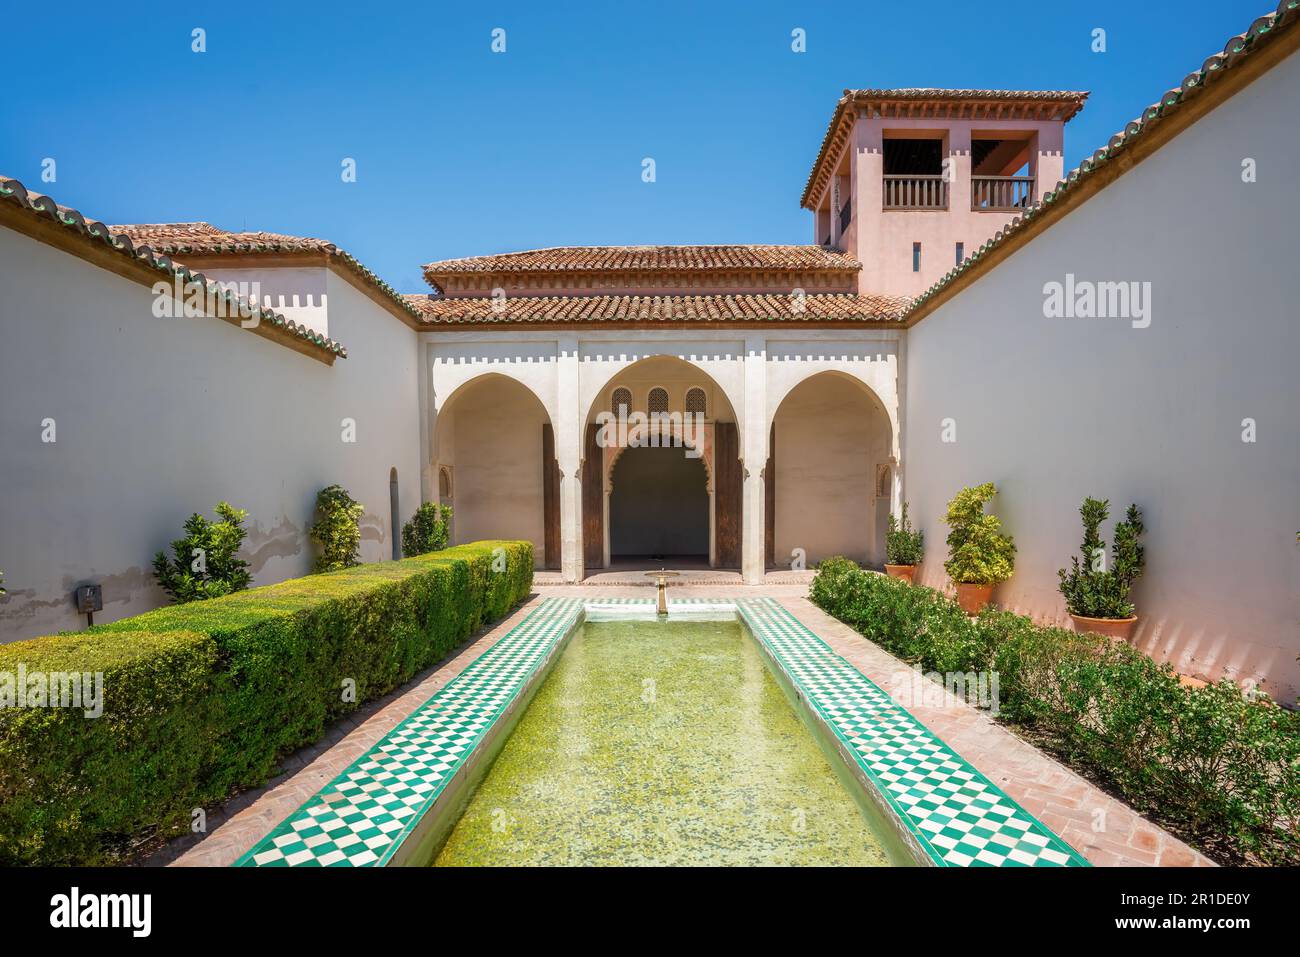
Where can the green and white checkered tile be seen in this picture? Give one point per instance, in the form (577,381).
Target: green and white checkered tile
(361,817)
(959,816)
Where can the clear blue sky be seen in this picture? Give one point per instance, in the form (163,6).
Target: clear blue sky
(463,152)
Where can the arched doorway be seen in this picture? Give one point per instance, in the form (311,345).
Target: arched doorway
(494,436)
(658,407)
(659,507)
(831,468)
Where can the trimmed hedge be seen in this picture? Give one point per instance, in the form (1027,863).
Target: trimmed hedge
(1221,768)
(203,699)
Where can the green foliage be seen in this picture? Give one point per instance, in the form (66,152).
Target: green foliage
(1089,588)
(979,553)
(337,529)
(203,699)
(204,563)
(427,530)
(903,545)
(1219,766)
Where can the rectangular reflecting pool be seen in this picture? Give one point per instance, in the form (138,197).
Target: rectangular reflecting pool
(666,743)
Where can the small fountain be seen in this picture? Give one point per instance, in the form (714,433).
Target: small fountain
(662,577)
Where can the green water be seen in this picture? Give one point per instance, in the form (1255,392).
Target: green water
(661,743)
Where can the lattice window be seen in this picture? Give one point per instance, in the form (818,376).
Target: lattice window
(658,401)
(622,401)
(696,402)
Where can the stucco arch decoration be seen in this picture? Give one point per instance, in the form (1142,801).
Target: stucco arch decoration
(597,381)
(613,453)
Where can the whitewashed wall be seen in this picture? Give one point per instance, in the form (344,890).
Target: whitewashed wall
(158,418)
(1055,409)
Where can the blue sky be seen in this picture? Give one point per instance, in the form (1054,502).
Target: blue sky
(461,151)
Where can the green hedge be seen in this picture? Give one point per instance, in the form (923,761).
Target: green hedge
(203,699)
(1218,767)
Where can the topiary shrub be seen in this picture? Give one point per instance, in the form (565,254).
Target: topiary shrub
(903,544)
(337,530)
(203,699)
(204,564)
(978,551)
(1089,588)
(427,530)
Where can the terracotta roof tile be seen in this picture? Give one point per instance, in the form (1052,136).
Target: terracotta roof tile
(1066,102)
(648,258)
(826,307)
(1235,51)
(93,231)
(178,239)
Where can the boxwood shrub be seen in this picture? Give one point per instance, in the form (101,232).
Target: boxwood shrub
(1219,767)
(203,699)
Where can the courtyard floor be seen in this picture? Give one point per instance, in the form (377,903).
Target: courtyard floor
(1101,828)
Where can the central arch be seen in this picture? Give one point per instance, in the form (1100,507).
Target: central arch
(644,497)
(659,506)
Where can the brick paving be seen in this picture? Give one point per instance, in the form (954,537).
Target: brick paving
(1103,829)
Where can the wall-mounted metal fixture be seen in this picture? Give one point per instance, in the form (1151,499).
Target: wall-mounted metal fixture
(89,599)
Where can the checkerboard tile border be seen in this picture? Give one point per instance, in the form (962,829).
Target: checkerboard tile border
(958,816)
(361,817)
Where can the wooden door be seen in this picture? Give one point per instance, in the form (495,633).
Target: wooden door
(728,502)
(550,499)
(593,501)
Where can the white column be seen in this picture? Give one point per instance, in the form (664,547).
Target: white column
(428,418)
(754,455)
(568,454)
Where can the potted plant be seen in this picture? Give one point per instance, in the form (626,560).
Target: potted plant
(904,547)
(980,555)
(1096,597)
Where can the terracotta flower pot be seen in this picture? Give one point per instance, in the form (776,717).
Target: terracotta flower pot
(1118,628)
(973,597)
(906,572)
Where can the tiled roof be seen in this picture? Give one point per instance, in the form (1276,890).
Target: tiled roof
(1238,49)
(94,232)
(1059,104)
(204,239)
(642,258)
(938,95)
(823,307)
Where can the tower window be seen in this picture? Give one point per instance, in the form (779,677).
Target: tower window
(916,257)
(961,253)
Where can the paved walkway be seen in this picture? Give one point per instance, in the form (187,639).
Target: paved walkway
(1103,829)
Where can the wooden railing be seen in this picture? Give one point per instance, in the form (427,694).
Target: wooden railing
(915,192)
(1001,192)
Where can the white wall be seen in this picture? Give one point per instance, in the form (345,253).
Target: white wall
(830,436)
(1055,409)
(158,418)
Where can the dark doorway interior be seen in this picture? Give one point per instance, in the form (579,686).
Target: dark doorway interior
(660,505)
